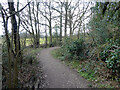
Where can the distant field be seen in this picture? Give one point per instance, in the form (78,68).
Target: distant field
(29,41)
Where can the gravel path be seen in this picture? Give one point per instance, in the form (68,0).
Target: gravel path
(57,75)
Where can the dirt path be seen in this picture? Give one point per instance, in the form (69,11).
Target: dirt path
(57,75)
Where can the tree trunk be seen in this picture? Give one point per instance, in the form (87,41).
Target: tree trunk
(70,22)
(46,41)
(5,21)
(66,10)
(50,29)
(16,42)
(50,24)
(38,29)
(61,26)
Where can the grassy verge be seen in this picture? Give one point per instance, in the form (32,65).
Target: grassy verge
(89,69)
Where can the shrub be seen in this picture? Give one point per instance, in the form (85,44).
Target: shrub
(73,48)
(76,47)
(29,59)
(111,55)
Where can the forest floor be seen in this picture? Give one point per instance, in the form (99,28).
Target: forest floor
(57,75)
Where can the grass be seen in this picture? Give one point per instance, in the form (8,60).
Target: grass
(84,69)
(29,41)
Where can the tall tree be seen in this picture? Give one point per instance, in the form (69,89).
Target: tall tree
(66,16)
(15,30)
(60,11)
(5,21)
(48,17)
(32,26)
(13,47)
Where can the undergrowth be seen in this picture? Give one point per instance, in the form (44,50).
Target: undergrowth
(30,68)
(27,69)
(92,70)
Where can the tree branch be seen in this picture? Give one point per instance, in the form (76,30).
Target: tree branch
(19,10)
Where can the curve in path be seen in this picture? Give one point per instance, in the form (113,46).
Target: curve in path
(57,75)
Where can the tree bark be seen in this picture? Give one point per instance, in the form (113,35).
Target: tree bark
(5,21)
(66,14)
(16,42)
(50,23)
(70,22)
(61,25)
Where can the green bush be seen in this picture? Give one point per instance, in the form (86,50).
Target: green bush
(76,47)
(73,48)
(111,55)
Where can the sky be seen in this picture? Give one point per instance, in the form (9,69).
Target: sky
(4,4)
(24,2)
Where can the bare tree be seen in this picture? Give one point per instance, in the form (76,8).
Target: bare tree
(32,26)
(60,11)
(5,21)
(13,52)
(48,17)
(66,17)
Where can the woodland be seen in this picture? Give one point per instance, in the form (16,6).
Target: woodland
(87,34)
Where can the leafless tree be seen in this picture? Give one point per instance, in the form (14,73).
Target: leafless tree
(13,52)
